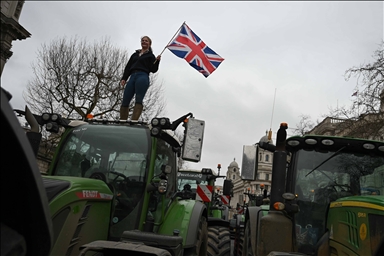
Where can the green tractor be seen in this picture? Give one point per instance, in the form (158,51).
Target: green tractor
(319,204)
(200,185)
(237,223)
(112,189)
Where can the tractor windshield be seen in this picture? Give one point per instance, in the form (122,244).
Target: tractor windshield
(321,179)
(104,149)
(116,154)
(191,178)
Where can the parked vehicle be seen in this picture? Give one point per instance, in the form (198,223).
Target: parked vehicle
(194,183)
(25,218)
(318,203)
(111,187)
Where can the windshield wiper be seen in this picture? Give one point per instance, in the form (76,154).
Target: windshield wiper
(326,160)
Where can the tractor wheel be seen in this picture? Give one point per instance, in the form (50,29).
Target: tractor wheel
(200,248)
(219,241)
(247,246)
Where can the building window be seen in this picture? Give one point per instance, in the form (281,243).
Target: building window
(234,177)
(261,156)
(266,158)
(266,176)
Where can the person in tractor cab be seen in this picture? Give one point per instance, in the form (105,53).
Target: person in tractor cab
(140,64)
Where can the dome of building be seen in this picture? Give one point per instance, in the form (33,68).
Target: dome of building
(234,164)
(265,139)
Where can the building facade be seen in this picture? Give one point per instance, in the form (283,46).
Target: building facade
(367,126)
(263,178)
(11,30)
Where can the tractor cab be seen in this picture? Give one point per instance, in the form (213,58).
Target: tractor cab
(330,177)
(326,197)
(113,181)
(189,180)
(120,156)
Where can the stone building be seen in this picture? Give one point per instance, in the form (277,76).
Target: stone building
(368,126)
(11,30)
(264,177)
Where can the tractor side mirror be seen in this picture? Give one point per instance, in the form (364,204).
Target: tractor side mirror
(249,162)
(227,187)
(193,140)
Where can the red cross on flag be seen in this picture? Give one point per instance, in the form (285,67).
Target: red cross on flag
(204,193)
(187,45)
(225,199)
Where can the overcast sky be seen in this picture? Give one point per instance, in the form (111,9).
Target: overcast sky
(295,52)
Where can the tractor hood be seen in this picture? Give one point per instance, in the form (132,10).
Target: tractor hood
(371,201)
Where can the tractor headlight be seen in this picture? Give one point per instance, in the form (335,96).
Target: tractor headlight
(45,116)
(327,142)
(162,188)
(311,141)
(163,121)
(293,143)
(368,146)
(155,131)
(54,117)
(288,196)
(155,122)
(52,127)
(206,171)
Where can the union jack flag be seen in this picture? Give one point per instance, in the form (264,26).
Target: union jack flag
(187,45)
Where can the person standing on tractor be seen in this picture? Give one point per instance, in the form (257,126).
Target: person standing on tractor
(139,65)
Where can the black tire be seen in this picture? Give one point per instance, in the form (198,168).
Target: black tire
(247,246)
(219,241)
(200,248)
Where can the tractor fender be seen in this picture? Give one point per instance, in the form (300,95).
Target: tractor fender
(184,217)
(253,215)
(199,210)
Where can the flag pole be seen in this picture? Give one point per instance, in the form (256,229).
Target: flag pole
(273,109)
(170,40)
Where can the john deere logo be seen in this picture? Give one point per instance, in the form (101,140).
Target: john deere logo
(363,231)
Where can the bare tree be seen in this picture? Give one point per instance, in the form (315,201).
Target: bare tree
(75,78)
(370,83)
(304,125)
(364,118)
